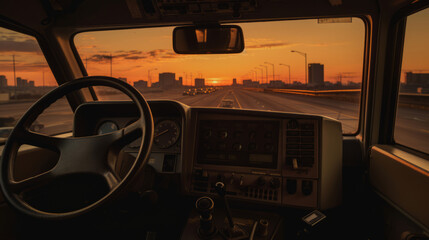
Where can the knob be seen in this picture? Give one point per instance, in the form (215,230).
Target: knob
(220,188)
(275,183)
(307,187)
(237,147)
(261,181)
(262,229)
(231,179)
(241,181)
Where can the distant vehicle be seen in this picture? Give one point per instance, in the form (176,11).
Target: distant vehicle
(190,92)
(227,103)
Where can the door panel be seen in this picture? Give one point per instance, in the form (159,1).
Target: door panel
(402,180)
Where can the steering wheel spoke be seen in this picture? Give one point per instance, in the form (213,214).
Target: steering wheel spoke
(133,131)
(39,140)
(112,179)
(31,182)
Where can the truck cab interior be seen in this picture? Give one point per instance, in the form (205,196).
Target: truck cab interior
(214,119)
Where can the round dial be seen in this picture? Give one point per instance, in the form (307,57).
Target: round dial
(166,133)
(107,127)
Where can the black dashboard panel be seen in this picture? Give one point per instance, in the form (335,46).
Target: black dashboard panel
(246,143)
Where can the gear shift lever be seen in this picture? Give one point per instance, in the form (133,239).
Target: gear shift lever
(204,206)
(233,231)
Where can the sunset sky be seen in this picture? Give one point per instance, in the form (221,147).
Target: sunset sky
(339,46)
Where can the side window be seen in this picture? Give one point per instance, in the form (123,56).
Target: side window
(24,78)
(412,115)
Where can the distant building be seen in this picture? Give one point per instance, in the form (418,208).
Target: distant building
(21,82)
(122,79)
(276,84)
(234,81)
(180,82)
(316,74)
(417,79)
(30,83)
(247,83)
(155,85)
(167,80)
(3,81)
(140,84)
(199,82)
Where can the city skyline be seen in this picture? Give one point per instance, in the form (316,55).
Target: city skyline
(146,51)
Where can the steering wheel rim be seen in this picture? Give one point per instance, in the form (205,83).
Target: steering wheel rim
(22,135)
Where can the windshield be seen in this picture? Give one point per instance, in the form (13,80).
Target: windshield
(303,66)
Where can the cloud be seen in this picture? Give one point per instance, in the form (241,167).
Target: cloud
(8,44)
(133,55)
(269,45)
(23,66)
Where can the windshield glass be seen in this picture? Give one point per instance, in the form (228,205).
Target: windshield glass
(302,66)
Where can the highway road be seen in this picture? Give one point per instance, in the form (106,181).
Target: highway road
(412,124)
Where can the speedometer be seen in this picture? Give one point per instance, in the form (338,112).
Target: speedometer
(166,133)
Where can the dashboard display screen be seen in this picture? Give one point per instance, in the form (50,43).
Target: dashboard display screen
(247,143)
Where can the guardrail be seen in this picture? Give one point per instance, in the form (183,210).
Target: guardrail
(416,100)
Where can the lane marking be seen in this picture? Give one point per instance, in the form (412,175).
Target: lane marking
(233,94)
(222,99)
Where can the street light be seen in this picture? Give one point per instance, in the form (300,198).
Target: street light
(305,56)
(254,73)
(266,72)
(148,75)
(262,73)
(281,64)
(272,66)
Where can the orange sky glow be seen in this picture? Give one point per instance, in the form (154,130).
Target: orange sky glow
(141,54)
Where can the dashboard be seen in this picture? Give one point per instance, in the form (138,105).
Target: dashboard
(273,158)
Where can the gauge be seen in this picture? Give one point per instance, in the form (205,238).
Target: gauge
(166,133)
(107,127)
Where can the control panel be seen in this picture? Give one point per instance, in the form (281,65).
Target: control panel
(251,186)
(291,161)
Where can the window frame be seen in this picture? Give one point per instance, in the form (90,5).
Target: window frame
(398,29)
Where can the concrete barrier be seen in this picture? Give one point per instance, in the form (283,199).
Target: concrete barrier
(4,97)
(413,100)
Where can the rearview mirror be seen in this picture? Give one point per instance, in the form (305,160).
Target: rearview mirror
(208,40)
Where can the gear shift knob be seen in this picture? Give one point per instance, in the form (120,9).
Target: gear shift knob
(204,206)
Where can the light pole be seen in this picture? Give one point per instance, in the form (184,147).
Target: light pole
(266,72)
(253,72)
(262,73)
(272,66)
(148,75)
(256,74)
(281,64)
(306,67)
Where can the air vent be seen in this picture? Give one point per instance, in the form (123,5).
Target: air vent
(300,144)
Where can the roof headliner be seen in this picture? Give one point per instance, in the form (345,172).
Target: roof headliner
(84,15)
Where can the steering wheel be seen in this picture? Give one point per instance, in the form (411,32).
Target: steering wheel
(78,155)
